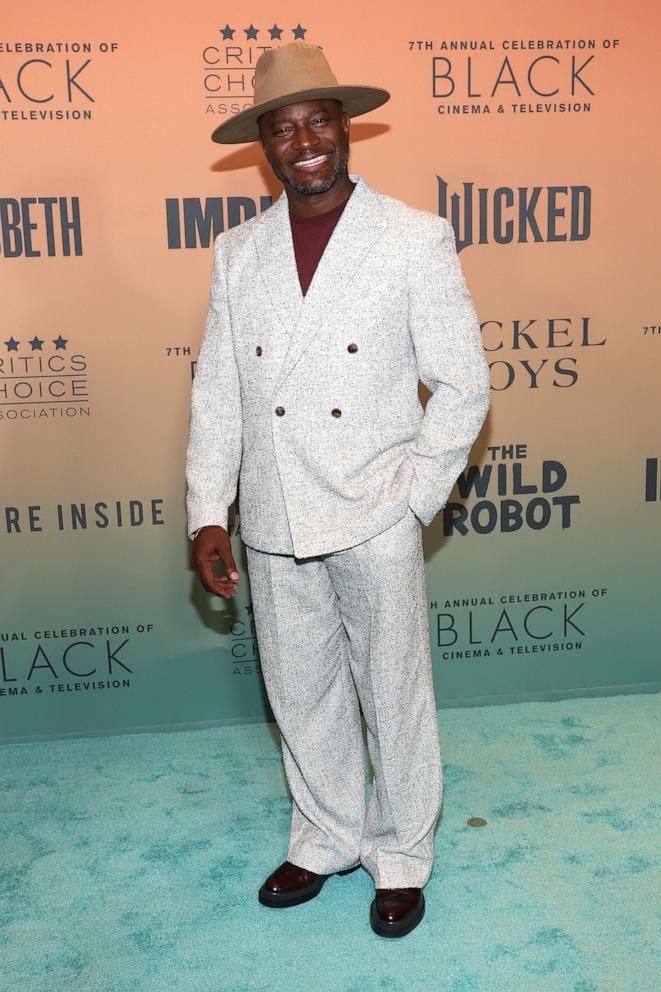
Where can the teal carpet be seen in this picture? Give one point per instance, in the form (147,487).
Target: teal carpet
(132,863)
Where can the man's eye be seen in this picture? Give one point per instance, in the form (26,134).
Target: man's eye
(317,120)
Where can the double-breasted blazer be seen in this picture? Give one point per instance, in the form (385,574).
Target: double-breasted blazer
(308,405)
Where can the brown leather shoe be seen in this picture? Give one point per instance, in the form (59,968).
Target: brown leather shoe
(395,912)
(290,885)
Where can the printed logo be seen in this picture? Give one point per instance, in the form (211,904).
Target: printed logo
(523,215)
(652,481)
(511,494)
(535,622)
(195,223)
(50,80)
(512,76)
(40,225)
(229,64)
(111,514)
(243,647)
(69,659)
(42,378)
(524,351)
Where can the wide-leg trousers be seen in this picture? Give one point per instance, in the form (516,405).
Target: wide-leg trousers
(336,632)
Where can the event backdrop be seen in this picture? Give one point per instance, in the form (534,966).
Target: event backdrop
(534,130)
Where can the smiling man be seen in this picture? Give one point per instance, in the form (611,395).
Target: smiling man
(325,312)
(310,172)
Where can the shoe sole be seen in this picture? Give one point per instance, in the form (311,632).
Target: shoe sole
(384,928)
(278,900)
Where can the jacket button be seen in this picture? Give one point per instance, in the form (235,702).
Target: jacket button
(352,347)
(279,410)
(258,349)
(336,412)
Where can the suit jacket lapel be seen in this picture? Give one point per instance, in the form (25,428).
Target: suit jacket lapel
(303,317)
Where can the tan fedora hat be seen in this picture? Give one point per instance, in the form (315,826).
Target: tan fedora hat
(289,74)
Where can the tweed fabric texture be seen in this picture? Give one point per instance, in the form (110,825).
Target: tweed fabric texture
(335,631)
(310,481)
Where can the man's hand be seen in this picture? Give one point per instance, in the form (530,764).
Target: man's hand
(213,544)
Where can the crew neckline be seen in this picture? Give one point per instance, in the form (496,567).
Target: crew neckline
(303,221)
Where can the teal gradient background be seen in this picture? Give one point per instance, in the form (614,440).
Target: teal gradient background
(134,307)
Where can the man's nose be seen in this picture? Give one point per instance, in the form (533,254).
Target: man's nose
(304,137)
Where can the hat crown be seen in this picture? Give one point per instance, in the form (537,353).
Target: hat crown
(298,66)
(295,73)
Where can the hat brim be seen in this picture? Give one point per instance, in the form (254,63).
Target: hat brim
(356,100)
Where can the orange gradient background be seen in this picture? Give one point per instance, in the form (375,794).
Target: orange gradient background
(129,298)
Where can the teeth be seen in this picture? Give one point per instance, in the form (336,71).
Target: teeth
(311,161)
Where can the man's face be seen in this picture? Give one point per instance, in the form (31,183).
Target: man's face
(293,135)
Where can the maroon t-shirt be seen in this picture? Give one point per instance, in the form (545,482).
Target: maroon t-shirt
(310,235)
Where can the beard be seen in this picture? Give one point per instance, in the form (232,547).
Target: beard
(316,185)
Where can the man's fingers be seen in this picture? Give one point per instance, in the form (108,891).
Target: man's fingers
(222,585)
(228,563)
(213,544)
(224,588)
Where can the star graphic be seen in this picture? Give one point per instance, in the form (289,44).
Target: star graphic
(36,343)
(299,32)
(275,32)
(251,32)
(12,344)
(249,608)
(60,342)
(228,32)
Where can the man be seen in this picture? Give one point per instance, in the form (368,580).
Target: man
(324,313)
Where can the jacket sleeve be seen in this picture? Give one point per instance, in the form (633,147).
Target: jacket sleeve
(213,458)
(446,337)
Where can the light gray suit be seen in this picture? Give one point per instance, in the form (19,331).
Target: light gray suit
(310,404)
(390,282)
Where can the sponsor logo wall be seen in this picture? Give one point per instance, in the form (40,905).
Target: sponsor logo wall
(533,133)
